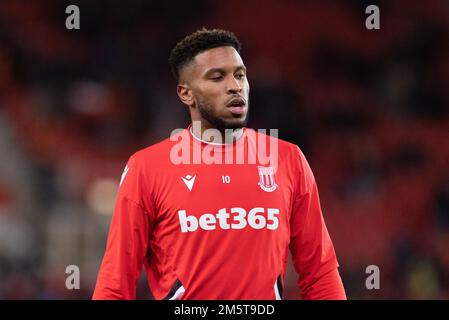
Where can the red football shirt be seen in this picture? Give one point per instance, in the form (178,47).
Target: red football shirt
(209,230)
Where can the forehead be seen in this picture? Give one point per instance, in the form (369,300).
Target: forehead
(226,58)
(218,57)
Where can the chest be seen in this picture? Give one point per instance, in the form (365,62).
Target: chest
(212,197)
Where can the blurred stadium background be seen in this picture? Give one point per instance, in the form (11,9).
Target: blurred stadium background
(368,108)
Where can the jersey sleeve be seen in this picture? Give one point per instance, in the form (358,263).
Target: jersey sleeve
(312,250)
(127,242)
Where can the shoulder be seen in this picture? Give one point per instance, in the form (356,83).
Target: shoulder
(158,154)
(270,138)
(290,158)
(143,169)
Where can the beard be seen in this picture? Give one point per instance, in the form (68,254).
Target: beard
(208,113)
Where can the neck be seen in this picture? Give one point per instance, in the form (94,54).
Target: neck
(213,135)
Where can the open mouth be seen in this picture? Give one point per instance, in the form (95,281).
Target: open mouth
(237,106)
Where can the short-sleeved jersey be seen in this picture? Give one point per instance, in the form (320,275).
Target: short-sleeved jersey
(211,221)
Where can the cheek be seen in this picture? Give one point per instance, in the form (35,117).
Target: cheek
(210,92)
(246,84)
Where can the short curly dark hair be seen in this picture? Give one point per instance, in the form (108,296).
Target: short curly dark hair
(197,42)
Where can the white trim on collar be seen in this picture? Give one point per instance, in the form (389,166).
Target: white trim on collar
(214,143)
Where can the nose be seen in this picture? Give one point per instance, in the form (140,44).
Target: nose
(233,86)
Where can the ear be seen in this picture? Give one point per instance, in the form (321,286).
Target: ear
(185,94)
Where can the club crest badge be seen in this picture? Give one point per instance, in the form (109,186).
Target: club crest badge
(267,182)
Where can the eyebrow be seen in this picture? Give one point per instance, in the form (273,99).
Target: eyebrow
(221,70)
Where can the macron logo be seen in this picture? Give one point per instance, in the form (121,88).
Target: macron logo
(189,181)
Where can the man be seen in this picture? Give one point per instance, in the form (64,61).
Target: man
(217,226)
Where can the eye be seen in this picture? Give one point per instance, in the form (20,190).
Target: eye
(240,76)
(216,78)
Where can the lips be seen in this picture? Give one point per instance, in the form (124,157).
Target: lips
(236,106)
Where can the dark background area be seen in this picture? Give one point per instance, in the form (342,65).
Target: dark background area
(369,109)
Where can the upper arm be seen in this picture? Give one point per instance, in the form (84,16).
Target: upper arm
(127,242)
(310,244)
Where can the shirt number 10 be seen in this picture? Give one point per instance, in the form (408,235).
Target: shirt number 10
(226,179)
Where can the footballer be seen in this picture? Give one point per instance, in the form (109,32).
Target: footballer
(203,213)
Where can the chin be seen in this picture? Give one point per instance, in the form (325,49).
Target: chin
(235,124)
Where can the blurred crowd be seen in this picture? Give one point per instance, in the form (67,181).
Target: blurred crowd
(369,108)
